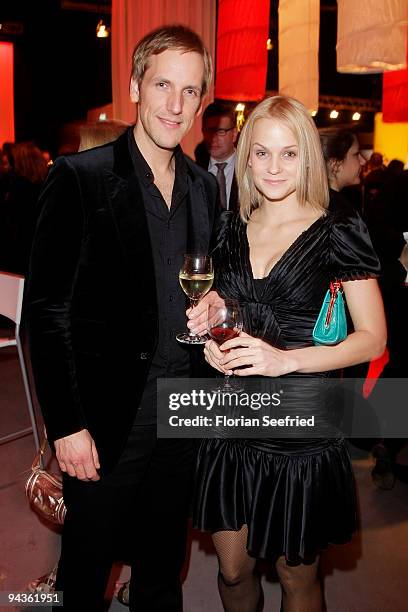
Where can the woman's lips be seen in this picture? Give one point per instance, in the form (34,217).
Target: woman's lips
(274,182)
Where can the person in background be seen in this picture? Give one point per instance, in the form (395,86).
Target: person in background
(6,169)
(387,221)
(374,164)
(100,132)
(344,162)
(25,178)
(384,218)
(373,175)
(103,307)
(220,134)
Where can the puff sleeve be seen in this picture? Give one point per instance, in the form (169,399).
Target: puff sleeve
(352,256)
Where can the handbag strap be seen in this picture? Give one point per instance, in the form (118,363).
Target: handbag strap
(38,463)
(335,287)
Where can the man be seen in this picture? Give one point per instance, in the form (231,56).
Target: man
(220,134)
(103,306)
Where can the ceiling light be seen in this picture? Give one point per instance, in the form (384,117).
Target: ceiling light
(240,108)
(101,30)
(334,114)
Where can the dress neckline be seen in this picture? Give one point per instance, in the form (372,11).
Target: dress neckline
(285,254)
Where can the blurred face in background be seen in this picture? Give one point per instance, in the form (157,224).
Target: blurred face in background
(347,172)
(4,164)
(219,136)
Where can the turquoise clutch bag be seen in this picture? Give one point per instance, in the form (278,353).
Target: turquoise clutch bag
(331,325)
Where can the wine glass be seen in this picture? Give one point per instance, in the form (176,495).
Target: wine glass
(196,278)
(224,323)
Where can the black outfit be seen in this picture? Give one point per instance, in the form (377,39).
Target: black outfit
(296,496)
(387,220)
(168,234)
(101,327)
(339,202)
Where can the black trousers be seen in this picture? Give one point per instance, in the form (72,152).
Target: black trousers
(138,512)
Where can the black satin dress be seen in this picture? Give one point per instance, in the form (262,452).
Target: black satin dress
(295,495)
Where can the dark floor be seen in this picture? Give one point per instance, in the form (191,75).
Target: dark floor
(368,574)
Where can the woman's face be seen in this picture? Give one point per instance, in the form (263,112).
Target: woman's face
(274,159)
(347,172)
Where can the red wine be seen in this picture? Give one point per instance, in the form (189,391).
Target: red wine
(221,334)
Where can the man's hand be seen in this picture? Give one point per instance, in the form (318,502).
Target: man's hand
(214,356)
(197,316)
(77,455)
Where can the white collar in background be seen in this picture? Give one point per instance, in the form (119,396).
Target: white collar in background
(227,161)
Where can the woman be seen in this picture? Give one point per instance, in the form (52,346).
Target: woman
(344,162)
(277,258)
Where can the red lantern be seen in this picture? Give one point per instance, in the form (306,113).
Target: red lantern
(395,96)
(6,93)
(241,54)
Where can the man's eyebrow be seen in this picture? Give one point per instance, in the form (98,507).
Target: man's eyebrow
(160,79)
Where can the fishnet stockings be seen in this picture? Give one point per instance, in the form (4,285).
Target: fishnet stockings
(239,587)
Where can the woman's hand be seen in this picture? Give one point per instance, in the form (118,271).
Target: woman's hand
(257,356)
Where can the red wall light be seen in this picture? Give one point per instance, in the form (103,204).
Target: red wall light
(6,93)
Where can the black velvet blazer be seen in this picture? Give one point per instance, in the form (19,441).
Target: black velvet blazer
(90,305)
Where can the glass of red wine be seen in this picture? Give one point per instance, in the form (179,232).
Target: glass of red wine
(224,323)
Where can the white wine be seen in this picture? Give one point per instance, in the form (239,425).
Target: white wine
(195,286)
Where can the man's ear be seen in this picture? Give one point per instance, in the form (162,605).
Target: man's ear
(234,135)
(134,90)
(334,166)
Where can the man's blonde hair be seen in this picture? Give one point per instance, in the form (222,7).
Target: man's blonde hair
(312,185)
(175,37)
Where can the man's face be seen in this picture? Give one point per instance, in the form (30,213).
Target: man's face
(169,98)
(219,136)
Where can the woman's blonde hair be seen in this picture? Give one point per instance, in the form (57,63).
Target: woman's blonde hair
(100,133)
(312,185)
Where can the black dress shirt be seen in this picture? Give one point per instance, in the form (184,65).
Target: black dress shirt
(168,236)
